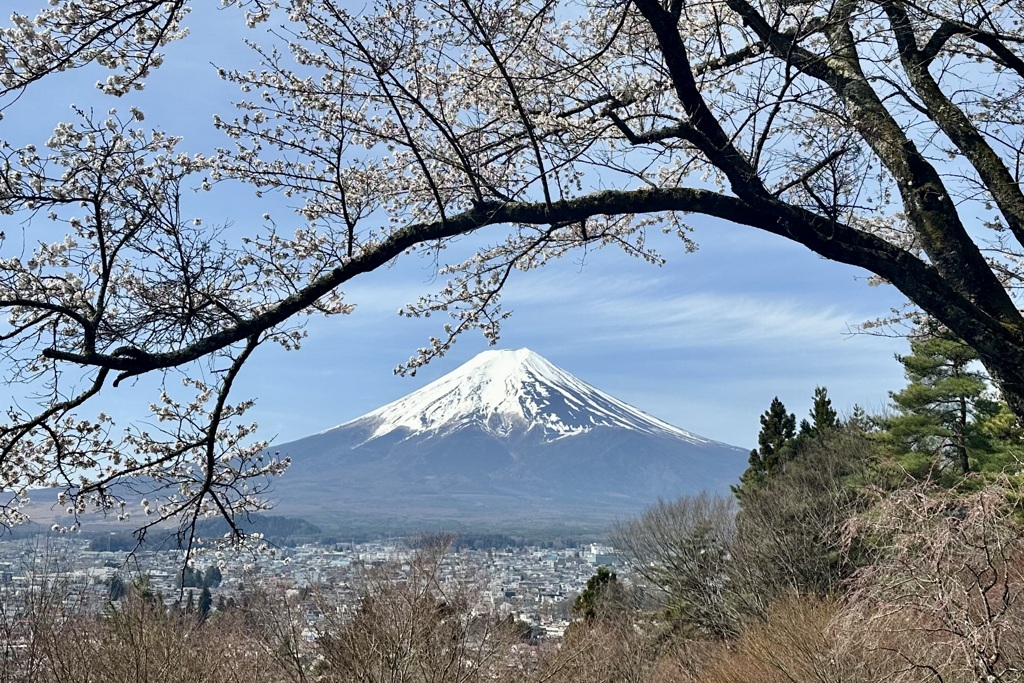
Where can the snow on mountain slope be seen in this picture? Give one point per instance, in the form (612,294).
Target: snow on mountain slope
(507,391)
(507,441)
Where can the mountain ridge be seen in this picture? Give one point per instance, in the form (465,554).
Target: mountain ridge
(505,438)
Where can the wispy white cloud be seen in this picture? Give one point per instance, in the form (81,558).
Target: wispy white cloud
(658,313)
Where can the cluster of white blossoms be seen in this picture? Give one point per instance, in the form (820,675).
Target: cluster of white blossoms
(121,36)
(129,275)
(885,136)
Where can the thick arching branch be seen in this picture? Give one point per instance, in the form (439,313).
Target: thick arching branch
(834,241)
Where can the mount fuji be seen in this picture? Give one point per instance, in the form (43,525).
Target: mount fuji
(507,440)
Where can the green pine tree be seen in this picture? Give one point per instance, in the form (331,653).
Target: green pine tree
(823,416)
(190,577)
(947,397)
(599,586)
(116,588)
(213,576)
(824,419)
(778,428)
(859,419)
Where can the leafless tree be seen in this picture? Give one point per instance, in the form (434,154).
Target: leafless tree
(683,551)
(791,532)
(416,624)
(942,598)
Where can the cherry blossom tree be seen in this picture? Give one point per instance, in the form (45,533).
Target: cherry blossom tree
(885,135)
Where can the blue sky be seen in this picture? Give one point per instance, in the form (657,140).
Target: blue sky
(704,342)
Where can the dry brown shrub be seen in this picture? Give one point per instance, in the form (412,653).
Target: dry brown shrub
(795,644)
(627,646)
(942,598)
(611,650)
(56,640)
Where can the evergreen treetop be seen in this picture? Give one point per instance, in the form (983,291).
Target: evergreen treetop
(946,399)
(777,430)
(823,415)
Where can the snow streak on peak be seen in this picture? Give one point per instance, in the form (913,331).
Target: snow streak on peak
(513,391)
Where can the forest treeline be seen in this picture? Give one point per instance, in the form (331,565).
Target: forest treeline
(857,548)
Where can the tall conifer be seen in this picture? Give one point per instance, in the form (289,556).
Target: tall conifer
(777,429)
(945,400)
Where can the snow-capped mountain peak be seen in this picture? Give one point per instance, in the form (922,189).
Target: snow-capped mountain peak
(511,391)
